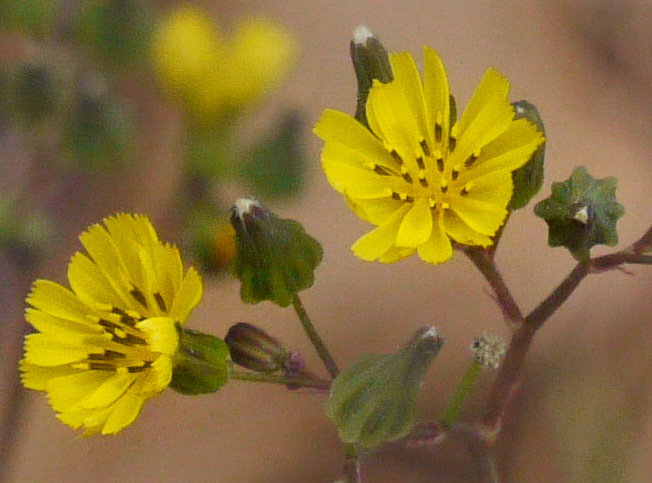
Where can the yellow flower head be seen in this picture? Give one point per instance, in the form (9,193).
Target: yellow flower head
(106,346)
(211,74)
(423,178)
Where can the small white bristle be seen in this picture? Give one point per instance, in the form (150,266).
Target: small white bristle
(243,205)
(362,34)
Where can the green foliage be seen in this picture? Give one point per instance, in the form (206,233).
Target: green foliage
(117,31)
(581,212)
(200,365)
(32,17)
(98,131)
(275,258)
(375,400)
(275,166)
(528,179)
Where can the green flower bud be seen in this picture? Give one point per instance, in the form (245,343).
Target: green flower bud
(528,179)
(581,212)
(254,349)
(275,259)
(370,61)
(375,400)
(200,364)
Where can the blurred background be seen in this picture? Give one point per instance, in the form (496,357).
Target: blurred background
(97,117)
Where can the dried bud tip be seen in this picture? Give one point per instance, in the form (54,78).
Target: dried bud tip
(582,215)
(362,34)
(488,349)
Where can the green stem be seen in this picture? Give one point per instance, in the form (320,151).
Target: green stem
(351,472)
(314,337)
(321,384)
(454,407)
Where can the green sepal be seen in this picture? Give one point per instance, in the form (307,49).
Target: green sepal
(275,167)
(375,400)
(528,179)
(275,258)
(200,364)
(581,212)
(370,62)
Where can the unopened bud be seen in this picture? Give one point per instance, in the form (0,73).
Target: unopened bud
(371,62)
(275,258)
(254,349)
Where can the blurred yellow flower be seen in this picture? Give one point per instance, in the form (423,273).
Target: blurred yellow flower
(106,346)
(422,177)
(211,74)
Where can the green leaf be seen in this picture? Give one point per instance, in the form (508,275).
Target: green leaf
(528,179)
(375,400)
(275,167)
(581,212)
(200,365)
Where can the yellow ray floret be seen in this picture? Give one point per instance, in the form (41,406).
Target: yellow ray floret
(426,180)
(105,346)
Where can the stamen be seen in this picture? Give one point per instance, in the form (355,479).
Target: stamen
(445,206)
(440,161)
(420,163)
(381,170)
(467,188)
(396,156)
(439,126)
(405,174)
(469,162)
(139,296)
(455,172)
(422,178)
(444,185)
(452,142)
(396,196)
(432,202)
(159,300)
(424,146)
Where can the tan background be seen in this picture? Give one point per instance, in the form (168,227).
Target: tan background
(582,413)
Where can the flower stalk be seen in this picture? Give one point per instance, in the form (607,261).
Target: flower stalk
(454,407)
(303,382)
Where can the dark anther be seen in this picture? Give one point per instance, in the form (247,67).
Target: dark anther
(464,191)
(438,132)
(452,142)
(454,174)
(420,163)
(407,177)
(142,368)
(396,196)
(381,171)
(469,162)
(444,189)
(423,182)
(409,199)
(139,296)
(440,164)
(424,146)
(101,366)
(159,300)
(396,156)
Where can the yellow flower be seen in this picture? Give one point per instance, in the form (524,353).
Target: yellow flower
(107,346)
(211,74)
(421,177)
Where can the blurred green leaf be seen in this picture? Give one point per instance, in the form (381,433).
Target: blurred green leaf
(275,167)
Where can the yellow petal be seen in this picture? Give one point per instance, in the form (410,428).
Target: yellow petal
(416,226)
(375,243)
(492,88)
(374,211)
(59,327)
(188,296)
(52,298)
(37,377)
(109,391)
(438,248)
(90,285)
(495,188)
(124,412)
(155,380)
(340,128)
(65,393)
(437,95)
(161,334)
(45,350)
(396,254)
(463,233)
(481,216)
(408,81)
